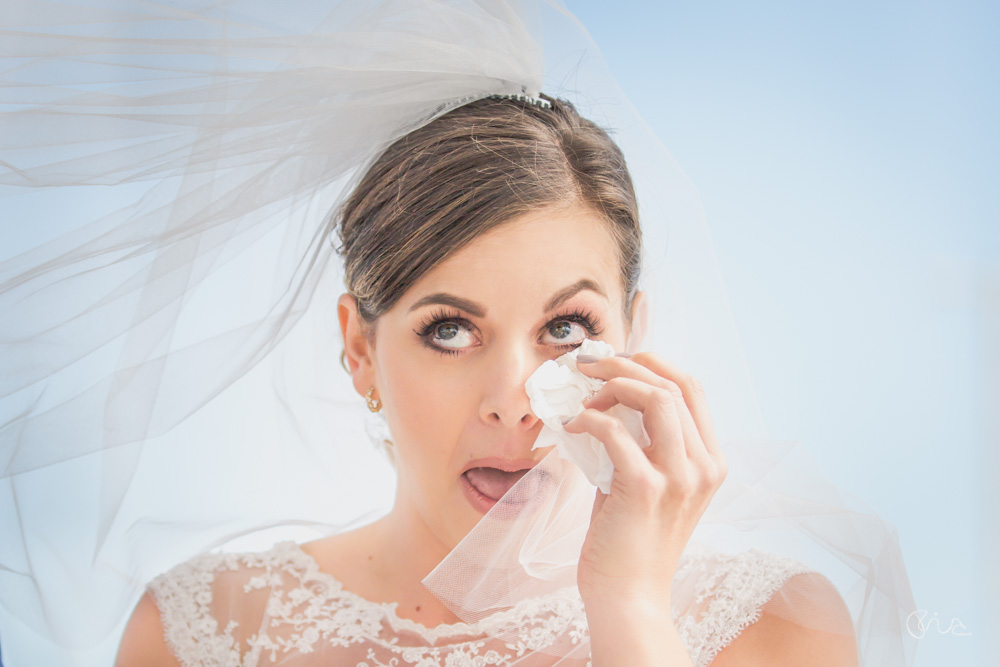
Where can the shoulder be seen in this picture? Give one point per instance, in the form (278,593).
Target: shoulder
(760,608)
(805,622)
(198,611)
(143,642)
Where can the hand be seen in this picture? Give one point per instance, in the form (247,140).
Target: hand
(658,494)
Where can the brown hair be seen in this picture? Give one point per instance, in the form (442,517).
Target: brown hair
(481,164)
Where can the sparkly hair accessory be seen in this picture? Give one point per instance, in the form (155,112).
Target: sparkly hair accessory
(520,97)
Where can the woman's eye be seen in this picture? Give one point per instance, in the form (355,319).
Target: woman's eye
(565,332)
(451,335)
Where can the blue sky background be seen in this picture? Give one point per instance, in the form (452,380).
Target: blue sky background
(846,154)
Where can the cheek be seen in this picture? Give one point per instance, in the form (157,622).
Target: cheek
(427,403)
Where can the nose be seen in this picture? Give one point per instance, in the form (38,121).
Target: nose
(505,402)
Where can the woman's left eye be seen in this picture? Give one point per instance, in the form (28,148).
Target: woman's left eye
(566,332)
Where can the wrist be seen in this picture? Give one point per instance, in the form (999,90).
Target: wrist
(641,610)
(642,597)
(634,632)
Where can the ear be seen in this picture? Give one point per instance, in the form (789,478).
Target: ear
(357,351)
(640,323)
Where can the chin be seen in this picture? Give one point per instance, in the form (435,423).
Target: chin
(460,525)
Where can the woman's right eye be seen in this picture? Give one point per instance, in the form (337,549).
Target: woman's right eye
(451,335)
(446,333)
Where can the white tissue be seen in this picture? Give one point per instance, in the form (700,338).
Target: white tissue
(557,390)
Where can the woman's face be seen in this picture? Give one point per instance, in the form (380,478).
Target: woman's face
(451,357)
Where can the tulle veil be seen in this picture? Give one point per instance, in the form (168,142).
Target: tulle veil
(170,375)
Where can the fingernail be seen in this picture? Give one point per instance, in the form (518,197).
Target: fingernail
(586,359)
(623,354)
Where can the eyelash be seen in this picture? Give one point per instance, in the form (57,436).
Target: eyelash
(428,325)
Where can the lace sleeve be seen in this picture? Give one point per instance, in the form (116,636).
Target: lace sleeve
(213,606)
(185,598)
(716,596)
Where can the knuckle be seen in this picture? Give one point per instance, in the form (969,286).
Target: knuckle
(681,488)
(711,479)
(582,419)
(697,388)
(671,386)
(715,475)
(647,490)
(602,423)
(651,357)
(616,427)
(616,383)
(662,398)
(674,390)
(641,357)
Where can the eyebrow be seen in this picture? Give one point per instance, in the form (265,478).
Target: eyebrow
(473,308)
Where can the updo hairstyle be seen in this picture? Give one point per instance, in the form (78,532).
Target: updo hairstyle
(475,167)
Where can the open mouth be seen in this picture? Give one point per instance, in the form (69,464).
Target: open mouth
(485,486)
(493,483)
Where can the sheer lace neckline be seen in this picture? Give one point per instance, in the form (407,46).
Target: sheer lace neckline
(225,608)
(311,571)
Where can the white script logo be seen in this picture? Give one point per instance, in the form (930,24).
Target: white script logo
(918,624)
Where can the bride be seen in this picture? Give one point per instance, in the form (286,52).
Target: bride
(500,250)
(494,238)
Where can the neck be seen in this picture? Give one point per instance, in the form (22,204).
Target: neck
(404,551)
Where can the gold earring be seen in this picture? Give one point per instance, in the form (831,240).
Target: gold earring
(374,404)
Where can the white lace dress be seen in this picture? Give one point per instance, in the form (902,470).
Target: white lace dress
(276,607)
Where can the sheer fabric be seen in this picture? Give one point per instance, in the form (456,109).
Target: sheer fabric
(277,607)
(168,324)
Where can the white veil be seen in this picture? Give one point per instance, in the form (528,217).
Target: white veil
(168,285)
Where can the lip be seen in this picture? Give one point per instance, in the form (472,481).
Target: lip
(507,465)
(482,503)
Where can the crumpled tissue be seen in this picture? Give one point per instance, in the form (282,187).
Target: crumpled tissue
(557,389)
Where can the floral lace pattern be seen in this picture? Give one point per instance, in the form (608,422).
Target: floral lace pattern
(729,592)
(277,607)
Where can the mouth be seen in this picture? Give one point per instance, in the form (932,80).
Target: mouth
(485,485)
(492,483)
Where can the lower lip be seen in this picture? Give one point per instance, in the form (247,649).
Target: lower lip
(482,503)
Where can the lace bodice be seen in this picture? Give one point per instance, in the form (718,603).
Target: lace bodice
(277,607)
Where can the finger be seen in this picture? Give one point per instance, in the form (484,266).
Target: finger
(654,369)
(660,417)
(694,396)
(629,460)
(694,443)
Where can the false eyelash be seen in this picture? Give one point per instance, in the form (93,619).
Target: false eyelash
(440,317)
(578,315)
(437,317)
(582,317)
